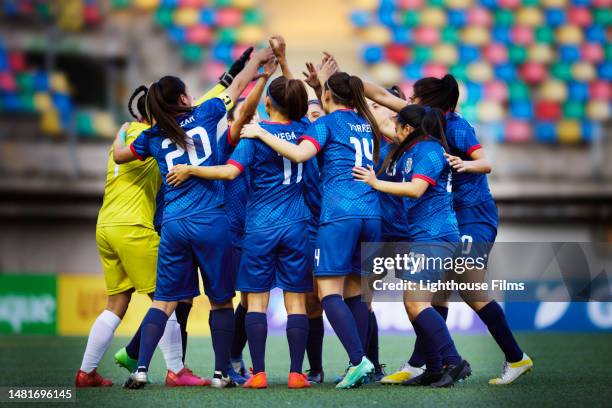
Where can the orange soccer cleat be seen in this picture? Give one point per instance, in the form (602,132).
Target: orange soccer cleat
(259,380)
(298,380)
(92,379)
(185,378)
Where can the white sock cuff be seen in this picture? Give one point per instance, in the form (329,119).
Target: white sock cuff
(111,319)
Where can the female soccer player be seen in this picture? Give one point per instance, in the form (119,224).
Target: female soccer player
(348,135)
(433,231)
(276,218)
(128,244)
(476,214)
(195,229)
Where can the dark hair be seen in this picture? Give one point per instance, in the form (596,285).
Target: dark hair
(230,113)
(289,96)
(140,103)
(426,121)
(438,93)
(163,106)
(348,90)
(397,91)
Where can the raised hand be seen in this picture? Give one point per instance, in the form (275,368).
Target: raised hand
(329,68)
(311,76)
(278,45)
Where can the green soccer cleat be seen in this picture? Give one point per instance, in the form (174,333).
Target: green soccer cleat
(355,375)
(123,360)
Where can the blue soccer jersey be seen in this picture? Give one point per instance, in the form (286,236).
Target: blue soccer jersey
(276,191)
(469,189)
(431,216)
(312,192)
(392,207)
(195,195)
(236,192)
(344,140)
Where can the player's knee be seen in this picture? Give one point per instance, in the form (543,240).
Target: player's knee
(166,307)
(118,304)
(477,305)
(258,302)
(415,308)
(221,305)
(295,303)
(313,306)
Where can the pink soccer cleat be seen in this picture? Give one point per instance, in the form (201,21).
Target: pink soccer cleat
(185,378)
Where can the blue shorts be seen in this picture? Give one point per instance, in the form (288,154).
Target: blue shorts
(187,244)
(338,251)
(477,239)
(434,252)
(278,257)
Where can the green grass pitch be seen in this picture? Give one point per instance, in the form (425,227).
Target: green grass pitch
(570,370)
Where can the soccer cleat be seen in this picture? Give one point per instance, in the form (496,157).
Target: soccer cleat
(185,378)
(298,380)
(259,380)
(239,367)
(405,373)
(136,380)
(235,376)
(315,376)
(122,359)
(378,374)
(219,381)
(424,379)
(452,374)
(512,371)
(355,375)
(91,379)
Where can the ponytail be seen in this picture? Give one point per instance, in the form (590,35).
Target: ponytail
(348,90)
(162,106)
(426,121)
(140,104)
(289,96)
(438,93)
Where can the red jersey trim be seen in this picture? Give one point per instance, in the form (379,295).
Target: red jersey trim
(311,140)
(424,177)
(133,150)
(473,149)
(236,164)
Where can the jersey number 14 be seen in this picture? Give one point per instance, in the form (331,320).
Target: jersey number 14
(198,148)
(362,147)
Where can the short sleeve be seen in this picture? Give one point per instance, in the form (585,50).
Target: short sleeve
(317,133)
(464,136)
(243,154)
(429,163)
(140,146)
(213,109)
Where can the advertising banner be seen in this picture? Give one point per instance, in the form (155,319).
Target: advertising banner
(28,304)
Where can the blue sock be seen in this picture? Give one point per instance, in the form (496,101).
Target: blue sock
(314,346)
(133,346)
(221,323)
(240,337)
(257,333)
(343,322)
(418,354)
(372,345)
(361,314)
(493,316)
(431,359)
(297,336)
(436,334)
(152,329)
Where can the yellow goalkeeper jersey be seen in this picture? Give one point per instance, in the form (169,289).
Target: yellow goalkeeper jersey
(129,194)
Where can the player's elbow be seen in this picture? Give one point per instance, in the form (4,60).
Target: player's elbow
(230,172)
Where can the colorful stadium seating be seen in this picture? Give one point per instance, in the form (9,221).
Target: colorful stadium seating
(531,70)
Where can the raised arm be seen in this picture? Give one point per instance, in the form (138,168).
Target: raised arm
(383,97)
(249,73)
(121,152)
(278,45)
(296,153)
(182,172)
(413,189)
(251,102)
(479,163)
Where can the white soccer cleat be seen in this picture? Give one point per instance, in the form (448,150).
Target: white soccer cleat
(219,381)
(405,373)
(512,371)
(136,380)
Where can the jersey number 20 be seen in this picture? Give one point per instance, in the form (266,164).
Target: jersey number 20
(362,147)
(196,135)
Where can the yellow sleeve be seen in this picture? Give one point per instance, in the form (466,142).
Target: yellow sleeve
(214,92)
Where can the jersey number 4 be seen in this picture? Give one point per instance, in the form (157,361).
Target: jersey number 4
(362,147)
(198,148)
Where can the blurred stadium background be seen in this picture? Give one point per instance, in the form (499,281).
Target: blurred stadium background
(535,76)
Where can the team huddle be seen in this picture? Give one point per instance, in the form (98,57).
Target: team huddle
(286,203)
